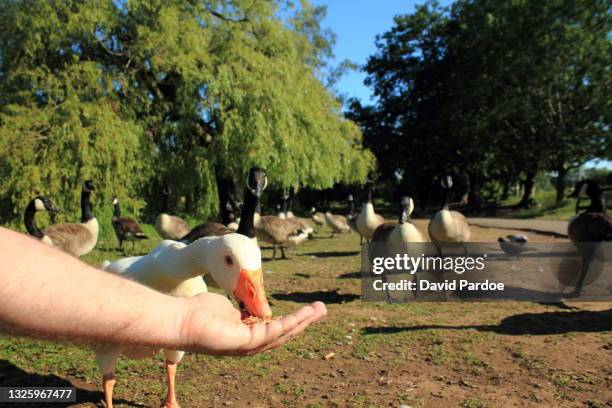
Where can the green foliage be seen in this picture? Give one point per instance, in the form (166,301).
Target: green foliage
(491,90)
(141,93)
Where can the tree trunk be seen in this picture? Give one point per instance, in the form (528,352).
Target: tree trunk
(560,184)
(506,190)
(527,200)
(228,195)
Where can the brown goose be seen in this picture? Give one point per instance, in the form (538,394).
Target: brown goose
(126,229)
(76,239)
(590,227)
(170,226)
(367,221)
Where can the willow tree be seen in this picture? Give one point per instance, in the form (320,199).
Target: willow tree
(138,94)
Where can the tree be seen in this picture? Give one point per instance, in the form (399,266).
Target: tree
(190,93)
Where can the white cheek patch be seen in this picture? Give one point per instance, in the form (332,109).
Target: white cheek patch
(39,205)
(115,201)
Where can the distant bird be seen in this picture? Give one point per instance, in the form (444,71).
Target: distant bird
(234,263)
(76,239)
(447,225)
(368,220)
(256,183)
(169,226)
(279,232)
(337,223)
(126,229)
(513,245)
(590,227)
(317,217)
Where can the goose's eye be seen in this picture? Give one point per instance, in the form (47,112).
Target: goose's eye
(228,260)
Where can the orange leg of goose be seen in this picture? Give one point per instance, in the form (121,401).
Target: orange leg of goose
(108,383)
(171,395)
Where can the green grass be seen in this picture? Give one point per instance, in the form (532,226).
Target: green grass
(547,210)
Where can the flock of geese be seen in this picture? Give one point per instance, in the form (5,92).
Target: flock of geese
(231,256)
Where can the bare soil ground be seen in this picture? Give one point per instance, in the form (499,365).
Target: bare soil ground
(501,354)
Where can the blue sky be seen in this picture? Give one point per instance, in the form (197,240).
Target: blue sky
(356,24)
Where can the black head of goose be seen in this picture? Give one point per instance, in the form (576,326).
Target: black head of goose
(126,229)
(35,205)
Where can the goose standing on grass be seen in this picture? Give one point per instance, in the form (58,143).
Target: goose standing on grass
(397,237)
(368,220)
(38,204)
(447,225)
(234,263)
(590,227)
(72,238)
(256,183)
(126,229)
(337,223)
(317,217)
(278,232)
(169,226)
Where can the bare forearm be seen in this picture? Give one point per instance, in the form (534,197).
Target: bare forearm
(49,294)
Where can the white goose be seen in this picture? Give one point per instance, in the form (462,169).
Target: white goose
(368,220)
(233,261)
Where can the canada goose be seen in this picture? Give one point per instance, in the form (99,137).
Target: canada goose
(446,225)
(256,183)
(317,217)
(278,232)
(72,238)
(35,205)
(367,220)
(170,226)
(397,237)
(126,229)
(513,245)
(234,263)
(589,227)
(337,223)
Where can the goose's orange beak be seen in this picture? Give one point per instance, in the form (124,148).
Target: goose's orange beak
(250,291)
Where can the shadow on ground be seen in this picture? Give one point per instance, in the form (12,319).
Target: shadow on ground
(13,376)
(331,254)
(526,323)
(331,296)
(350,275)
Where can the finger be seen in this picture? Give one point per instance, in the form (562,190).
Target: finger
(303,318)
(320,312)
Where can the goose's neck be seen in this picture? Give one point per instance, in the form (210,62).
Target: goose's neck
(352,208)
(117,212)
(29,221)
(598,204)
(403,217)
(86,213)
(446,199)
(370,186)
(189,261)
(247,214)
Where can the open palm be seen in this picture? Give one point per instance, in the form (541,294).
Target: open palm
(213,325)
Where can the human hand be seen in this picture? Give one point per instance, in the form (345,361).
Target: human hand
(212,325)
